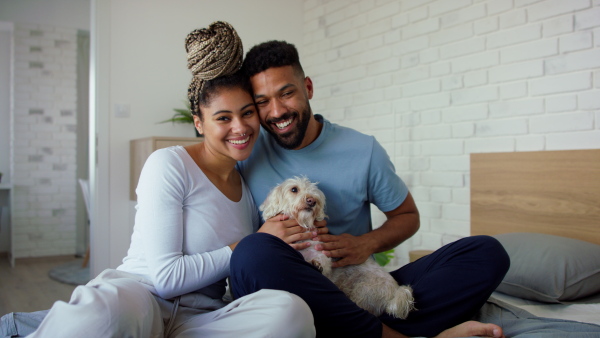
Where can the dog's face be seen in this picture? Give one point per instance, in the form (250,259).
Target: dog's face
(298,198)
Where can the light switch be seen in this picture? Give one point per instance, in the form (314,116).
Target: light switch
(122,110)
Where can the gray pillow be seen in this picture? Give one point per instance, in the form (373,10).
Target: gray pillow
(550,268)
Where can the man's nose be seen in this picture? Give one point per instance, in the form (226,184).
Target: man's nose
(278,108)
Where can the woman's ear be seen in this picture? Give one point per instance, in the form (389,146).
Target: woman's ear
(198,124)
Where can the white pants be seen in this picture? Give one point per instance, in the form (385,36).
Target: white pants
(118,304)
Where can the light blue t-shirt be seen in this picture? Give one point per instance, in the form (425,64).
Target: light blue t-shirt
(352,169)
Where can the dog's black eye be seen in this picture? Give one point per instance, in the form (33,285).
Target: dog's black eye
(294,189)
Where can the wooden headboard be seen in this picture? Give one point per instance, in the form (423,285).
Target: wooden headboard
(551,192)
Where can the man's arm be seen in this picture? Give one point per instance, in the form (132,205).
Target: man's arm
(401,224)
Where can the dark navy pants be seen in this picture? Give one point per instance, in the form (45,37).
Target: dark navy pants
(450,285)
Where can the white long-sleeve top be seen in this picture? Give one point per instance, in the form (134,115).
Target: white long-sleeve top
(183,226)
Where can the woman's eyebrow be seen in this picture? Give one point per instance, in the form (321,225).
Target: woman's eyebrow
(246,106)
(224,111)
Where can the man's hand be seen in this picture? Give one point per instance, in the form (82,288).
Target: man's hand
(350,249)
(401,223)
(290,232)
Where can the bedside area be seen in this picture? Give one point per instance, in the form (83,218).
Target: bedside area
(416,254)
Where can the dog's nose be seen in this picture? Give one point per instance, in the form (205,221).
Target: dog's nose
(311,201)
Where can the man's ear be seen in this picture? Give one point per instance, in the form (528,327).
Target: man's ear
(309,87)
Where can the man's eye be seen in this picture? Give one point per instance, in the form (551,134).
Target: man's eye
(294,189)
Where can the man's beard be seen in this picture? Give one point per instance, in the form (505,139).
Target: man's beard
(292,139)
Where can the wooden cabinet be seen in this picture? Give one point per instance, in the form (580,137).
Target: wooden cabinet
(141,148)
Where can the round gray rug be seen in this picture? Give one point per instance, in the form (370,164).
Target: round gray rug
(71,273)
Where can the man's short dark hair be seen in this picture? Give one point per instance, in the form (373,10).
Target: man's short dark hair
(271,54)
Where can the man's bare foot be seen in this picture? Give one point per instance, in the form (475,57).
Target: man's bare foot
(473,328)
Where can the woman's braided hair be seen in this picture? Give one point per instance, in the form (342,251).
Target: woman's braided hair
(214,57)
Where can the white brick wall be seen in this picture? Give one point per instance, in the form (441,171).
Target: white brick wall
(455,77)
(44,146)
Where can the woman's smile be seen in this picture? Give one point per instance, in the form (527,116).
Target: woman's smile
(240,142)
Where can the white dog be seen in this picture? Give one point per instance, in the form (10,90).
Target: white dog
(367,284)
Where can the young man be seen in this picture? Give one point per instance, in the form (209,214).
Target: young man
(353,170)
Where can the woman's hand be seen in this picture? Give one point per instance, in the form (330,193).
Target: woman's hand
(289,231)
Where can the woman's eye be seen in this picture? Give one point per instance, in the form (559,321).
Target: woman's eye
(294,189)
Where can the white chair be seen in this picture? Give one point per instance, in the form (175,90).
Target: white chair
(85,191)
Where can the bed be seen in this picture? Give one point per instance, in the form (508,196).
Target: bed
(544,207)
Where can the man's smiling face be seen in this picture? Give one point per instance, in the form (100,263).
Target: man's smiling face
(282,96)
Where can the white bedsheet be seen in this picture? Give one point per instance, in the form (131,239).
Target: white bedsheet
(586,310)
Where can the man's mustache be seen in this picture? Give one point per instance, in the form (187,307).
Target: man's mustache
(284,117)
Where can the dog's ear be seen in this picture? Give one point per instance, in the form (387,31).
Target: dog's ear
(272,204)
(321,212)
(320,215)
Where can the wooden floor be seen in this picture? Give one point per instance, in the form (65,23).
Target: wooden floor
(27,287)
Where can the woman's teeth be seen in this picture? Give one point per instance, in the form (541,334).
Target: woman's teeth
(283,124)
(239,141)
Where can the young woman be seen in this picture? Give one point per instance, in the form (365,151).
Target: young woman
(193,208)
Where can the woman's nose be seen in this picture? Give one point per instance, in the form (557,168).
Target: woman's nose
(240,126)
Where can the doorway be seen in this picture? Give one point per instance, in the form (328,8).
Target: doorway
(48,141)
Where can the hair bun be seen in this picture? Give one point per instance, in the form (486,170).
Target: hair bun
(214,51)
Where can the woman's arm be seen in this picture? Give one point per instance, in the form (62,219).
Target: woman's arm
(162,190)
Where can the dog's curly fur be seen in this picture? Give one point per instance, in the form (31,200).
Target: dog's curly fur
(367,284)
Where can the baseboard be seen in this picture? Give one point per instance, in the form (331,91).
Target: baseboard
(42,259)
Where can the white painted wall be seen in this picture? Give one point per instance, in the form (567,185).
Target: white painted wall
(44,141)
(59,13)
(437,80)
(141,63)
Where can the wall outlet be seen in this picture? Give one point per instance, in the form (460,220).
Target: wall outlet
(122,110)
